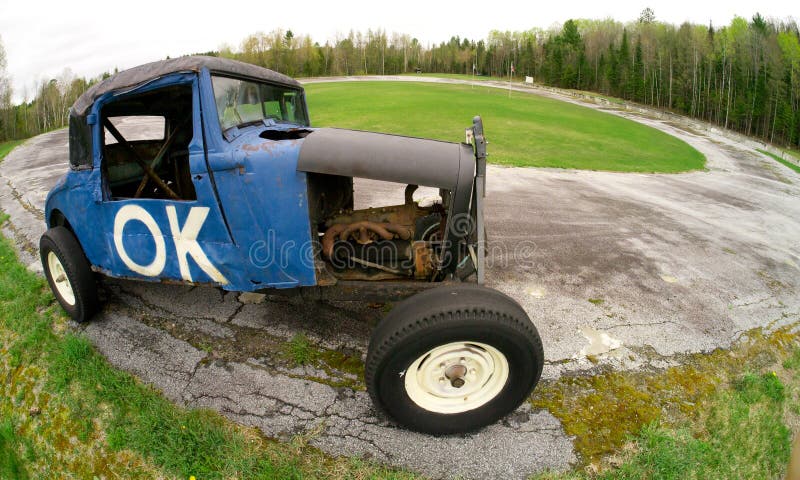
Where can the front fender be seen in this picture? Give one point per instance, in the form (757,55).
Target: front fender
(53,198)
(74,196)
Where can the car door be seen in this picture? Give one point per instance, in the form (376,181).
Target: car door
(160,216)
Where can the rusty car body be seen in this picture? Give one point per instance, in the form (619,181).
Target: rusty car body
(202,170)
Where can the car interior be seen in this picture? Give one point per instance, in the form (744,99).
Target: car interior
(145,148)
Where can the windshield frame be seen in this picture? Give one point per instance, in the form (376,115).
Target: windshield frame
(263,89)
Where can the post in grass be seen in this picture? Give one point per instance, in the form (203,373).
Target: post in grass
(474,69)
(510,77)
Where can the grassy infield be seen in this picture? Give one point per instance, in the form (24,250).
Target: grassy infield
(523,130)
(64,409)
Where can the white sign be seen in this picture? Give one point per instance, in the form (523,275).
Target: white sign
(529,80)
(185,240)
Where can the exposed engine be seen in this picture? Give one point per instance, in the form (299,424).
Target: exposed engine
(391,242)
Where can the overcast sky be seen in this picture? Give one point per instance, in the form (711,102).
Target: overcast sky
(44,37)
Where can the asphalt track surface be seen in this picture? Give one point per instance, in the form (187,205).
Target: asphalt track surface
(682,263)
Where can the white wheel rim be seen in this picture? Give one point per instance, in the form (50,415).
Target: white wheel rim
(60,279)
(456,377)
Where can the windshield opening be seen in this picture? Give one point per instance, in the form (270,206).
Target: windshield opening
(244,102)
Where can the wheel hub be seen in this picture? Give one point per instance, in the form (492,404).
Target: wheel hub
(455,374)
(60,279)
(456,377)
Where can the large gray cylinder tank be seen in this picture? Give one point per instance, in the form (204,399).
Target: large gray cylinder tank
(390,158)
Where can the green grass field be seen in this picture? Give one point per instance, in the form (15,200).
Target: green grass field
(523,129)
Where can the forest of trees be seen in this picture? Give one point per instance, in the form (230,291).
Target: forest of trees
(744,76)
(48,109)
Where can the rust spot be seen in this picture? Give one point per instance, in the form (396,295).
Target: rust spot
(265,146)
(268,146)
(424,263)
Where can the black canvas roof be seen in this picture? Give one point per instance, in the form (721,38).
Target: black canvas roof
(150,71)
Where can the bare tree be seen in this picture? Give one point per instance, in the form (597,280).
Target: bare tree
(6,117)
(647,16)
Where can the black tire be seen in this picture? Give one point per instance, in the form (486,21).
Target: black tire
(63,244)
(437,317)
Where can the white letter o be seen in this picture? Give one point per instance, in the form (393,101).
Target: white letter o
(135,212)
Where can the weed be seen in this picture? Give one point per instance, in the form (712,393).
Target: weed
(300,351)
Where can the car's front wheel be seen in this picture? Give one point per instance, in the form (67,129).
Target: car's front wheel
(453,359)
(68,273)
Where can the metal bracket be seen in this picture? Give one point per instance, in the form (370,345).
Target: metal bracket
(479,193)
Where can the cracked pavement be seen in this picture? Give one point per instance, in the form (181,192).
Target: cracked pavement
(672,264)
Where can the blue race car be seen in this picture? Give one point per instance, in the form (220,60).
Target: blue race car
(206,171)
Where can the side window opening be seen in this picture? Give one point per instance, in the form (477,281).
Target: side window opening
(137,128)
(146,145)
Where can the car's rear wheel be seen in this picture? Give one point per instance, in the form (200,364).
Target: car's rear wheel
(68,273)
(453,359)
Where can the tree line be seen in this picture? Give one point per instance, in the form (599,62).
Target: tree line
(47,110)
(744,76)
